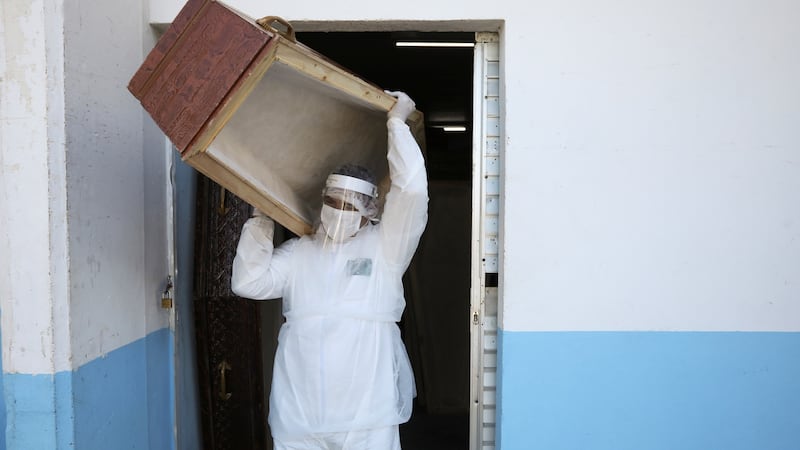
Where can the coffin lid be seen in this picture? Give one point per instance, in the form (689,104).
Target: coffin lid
(265,117)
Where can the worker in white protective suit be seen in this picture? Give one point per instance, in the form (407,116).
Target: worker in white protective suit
(342,378)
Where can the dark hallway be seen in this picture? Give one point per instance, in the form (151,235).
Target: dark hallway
(435,325)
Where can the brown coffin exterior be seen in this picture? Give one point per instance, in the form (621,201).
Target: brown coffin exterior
(263,116)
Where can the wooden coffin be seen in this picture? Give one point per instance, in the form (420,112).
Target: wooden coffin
(265,117)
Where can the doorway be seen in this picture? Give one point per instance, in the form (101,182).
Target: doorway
(439,282)
(435,325)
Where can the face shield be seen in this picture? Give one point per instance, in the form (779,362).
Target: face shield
(345,200)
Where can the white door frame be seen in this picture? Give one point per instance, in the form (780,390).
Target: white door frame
(486,143)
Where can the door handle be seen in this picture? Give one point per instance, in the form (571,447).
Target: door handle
(223,390)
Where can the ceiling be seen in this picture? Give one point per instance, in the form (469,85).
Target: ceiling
(438,79)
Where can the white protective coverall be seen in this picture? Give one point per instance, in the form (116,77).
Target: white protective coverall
(340,364)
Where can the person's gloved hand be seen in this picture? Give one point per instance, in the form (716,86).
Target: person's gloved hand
(404,106)
(258,213)
(262,227)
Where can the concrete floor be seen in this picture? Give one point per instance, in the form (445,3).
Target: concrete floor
(435,432)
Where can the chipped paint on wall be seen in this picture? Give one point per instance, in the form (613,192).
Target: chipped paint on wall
(27,276)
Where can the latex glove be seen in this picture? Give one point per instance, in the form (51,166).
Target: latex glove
(258,213)
(404,106)
(261,226)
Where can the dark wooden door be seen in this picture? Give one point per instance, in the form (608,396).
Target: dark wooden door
(233,414)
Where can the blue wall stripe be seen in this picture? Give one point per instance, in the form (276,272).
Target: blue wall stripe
(649,390)
(123,400)
(2,402)
(65,419)
(161,390)
(117,397)
(30,411)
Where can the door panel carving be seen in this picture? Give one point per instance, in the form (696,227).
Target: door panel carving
(228,329)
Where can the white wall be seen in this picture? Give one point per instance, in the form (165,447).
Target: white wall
(33,263)
(651,173)
(83,253)
(659,163)
(107,178)
(116,183)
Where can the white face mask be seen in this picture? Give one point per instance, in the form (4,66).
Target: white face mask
(340,225)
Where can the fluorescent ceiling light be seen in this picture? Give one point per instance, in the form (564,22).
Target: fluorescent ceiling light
(436,44)
(454,128)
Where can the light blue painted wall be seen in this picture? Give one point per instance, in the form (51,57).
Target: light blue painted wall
(30,415)
(649,391)
(2,402)
(123,400)
(160,389)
